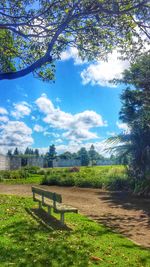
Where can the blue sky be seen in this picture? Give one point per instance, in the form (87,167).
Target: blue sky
(81,108)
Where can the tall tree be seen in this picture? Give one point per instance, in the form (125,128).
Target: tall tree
(42,30)
(16,152)
(27,151)
(51,155)
(92,155)
(36,152)
(136,113)
(66,155)
(84,157)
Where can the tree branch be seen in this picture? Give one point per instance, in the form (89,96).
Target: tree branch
(18,74)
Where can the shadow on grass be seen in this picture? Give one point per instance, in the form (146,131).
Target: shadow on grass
(30,243)
(43,218)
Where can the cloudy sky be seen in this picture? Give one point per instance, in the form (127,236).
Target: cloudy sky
(81,108)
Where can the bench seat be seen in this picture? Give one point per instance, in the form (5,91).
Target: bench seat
(64,208)
(52,200)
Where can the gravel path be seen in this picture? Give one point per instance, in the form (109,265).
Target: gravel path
(126,214)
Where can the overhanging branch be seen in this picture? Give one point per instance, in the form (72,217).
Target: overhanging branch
(21,73)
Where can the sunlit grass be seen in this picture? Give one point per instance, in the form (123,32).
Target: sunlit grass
(32,179)
(24,241)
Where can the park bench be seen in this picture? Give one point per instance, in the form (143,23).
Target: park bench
(52,201)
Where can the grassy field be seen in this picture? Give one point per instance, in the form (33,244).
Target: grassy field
(25,241)
(32,179)
(110,177)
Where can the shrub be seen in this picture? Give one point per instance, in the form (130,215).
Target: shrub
(5,174)
(41,172)
(109,177)
(32,169)
(14,174)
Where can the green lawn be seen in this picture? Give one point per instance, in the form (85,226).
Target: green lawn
(32,179)
(24,241)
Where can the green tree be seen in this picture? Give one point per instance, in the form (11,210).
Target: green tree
(66,155)
(8,52)
(42,30)
(84,157)
(27,151)
(16,152)
(36,152)
(93,155)
(135,112)
(51,155)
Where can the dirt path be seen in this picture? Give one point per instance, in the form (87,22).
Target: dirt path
(126,214)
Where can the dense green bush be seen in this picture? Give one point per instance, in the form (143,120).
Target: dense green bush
(32,169)
(41,172)
(14,174)
(111,177)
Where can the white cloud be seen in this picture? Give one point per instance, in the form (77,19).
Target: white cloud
(38,128)
(3,111)
(73,146)
(123,126)
(72,52)
(21,109)
(44,104)
(101,72)
(80,134)
(55,135)
(15,134)
(59,140)
(3,119)
(76,126)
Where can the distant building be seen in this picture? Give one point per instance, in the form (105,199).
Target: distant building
(16,162)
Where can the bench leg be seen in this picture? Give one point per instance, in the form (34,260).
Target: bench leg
(40,205)
(62,219)
(49,210)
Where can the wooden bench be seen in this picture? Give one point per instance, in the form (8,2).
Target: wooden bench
(52,201)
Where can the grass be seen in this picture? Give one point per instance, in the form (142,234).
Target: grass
(24,241)
(32,179)
(110,177)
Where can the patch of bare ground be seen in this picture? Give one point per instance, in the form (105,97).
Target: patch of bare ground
(121,211)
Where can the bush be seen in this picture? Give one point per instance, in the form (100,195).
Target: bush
(109,177)
(14,174)
(31,169)
(5,174)
(142,188)
(41,172)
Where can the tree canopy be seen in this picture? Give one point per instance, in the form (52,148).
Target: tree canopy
(135,112)
(38,31)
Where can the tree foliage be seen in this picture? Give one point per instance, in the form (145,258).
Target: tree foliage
(40,30)
(135,112)
(93,155)
(84,157)
(51,155)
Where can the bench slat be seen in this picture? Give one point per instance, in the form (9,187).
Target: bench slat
(51,200)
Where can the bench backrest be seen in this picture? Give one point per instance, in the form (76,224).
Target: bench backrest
(50,195)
